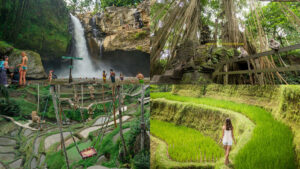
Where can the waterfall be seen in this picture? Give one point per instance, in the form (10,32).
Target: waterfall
(97,34)
(82,68)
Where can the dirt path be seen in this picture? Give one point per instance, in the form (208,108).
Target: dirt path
(20,124)
(50,140)
(85,133)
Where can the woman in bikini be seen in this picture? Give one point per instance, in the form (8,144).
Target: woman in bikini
(23,69)
(227,138)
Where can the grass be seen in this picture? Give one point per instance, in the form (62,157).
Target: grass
(271,145)
(186,144)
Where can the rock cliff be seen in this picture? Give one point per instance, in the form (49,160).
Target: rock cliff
(118,29)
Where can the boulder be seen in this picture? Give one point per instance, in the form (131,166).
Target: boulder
(35,66)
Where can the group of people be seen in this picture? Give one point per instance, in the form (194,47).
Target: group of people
(19,73)
(140,76)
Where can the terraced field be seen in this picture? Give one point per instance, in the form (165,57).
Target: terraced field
(186,144)
(22,144)
(270,145)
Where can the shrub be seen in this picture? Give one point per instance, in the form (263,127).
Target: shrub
(141,160)
(140,35)
(10,108)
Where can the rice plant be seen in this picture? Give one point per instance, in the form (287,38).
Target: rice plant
(186,144)
(271,145)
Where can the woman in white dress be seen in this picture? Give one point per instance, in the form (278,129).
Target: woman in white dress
(227,138)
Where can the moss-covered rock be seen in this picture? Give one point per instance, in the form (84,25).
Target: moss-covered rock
(35,66)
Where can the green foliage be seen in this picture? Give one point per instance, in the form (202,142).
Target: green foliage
(140,35)
(41,26)
(10,108)
(290,103)
(159,67)
(274,22)
(139,48)
(106,3)
(141,160)
(186,144)
(160,88)
(266,137)
(55,160)
(25,107)
(4,92)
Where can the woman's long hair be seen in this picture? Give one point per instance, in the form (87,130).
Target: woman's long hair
(228,124)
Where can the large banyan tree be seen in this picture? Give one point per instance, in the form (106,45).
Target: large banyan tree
(193,30)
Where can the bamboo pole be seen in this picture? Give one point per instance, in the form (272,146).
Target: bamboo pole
(120,122)
(38,105)
(142,119)
(52,91)
(114,108)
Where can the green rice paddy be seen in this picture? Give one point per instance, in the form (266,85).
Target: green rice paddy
(271,145)
(186,144)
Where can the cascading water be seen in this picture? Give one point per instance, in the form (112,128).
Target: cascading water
(97,34)
(82,68)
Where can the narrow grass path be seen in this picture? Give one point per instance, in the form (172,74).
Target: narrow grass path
(271,145)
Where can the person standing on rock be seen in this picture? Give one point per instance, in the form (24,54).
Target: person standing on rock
(113,80)
(227,138)
(104,76)
(121,77)
(112,76)
(23,69)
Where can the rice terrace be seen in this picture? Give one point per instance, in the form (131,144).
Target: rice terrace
(74,126)
(186,126)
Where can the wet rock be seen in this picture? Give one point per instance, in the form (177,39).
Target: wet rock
(35,66)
